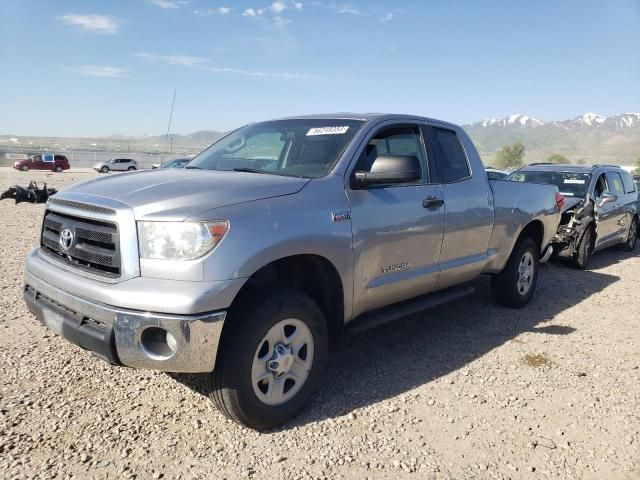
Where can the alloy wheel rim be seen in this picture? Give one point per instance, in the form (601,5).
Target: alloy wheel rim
(282,362)
(526,270)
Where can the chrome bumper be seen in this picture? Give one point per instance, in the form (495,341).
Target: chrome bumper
(172,343)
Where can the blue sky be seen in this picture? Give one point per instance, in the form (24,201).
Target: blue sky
(90,67)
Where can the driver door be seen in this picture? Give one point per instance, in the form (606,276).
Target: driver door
(397,229)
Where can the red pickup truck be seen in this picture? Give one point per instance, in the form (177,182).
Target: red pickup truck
(55,163)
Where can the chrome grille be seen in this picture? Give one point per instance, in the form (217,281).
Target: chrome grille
(95,245)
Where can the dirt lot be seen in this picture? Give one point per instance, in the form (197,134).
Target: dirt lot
(468,390)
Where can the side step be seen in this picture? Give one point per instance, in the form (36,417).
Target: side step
(400,310)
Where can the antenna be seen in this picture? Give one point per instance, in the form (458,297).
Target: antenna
(166,138)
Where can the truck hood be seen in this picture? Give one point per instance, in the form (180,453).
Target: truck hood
(175,194)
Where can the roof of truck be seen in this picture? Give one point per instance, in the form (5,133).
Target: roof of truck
(364,117)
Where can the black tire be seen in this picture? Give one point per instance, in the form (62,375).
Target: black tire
(506,285)
(582,257)
(57,169)
(24,168)
(104,169)
(230,385)
(131,169)
(632,236)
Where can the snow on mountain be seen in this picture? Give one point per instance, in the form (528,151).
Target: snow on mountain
(516,120)
(589,119)
(626,120)
(586,120)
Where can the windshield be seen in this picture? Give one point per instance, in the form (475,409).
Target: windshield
(569,184)
(296,148)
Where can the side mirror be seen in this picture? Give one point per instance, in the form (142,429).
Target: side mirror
(607,198)
(390,169)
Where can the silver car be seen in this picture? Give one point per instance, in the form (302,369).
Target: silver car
(116,165)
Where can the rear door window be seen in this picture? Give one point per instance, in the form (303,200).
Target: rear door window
(450,156)
(629,185)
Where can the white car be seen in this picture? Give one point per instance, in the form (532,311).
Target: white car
(117,165)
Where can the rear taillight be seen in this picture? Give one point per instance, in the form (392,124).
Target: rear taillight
(559,201)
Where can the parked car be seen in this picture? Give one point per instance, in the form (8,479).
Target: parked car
(495,174)
(49,161)
(251,263)
(175,163)
(600,208)
(116,164)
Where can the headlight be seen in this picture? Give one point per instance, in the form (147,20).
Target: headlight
(179,240)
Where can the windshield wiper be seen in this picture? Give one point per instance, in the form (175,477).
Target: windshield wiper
(193,167)
(248,170)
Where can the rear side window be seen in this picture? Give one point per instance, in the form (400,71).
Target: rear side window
(452,161)
(615,183)
(629,185)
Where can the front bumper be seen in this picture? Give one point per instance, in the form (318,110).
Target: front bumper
(172,343)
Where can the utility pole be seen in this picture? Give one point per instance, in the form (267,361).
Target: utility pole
(166,138)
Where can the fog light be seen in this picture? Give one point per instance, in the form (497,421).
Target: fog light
(157,343)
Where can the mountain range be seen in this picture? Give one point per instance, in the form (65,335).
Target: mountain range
(590,137)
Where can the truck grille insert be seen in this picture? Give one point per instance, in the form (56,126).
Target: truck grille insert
(88,244)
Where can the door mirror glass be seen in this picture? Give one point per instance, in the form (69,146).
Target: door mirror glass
(390,169)
(608,197)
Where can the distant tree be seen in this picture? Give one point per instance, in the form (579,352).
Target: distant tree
(557,158)
(510,156)
(581,161)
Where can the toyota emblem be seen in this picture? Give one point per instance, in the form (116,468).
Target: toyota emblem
(66,238)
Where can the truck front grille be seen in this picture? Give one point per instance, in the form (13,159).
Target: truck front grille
(88,244)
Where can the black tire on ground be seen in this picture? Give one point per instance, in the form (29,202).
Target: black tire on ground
(24,168)
(131,169)
(58,169)
(585,249)
(508,289)
(104,170)
(230,386)
(632,236)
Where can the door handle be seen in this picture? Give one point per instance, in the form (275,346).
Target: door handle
(432,202)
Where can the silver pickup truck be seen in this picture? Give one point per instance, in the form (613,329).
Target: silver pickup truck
(250,264)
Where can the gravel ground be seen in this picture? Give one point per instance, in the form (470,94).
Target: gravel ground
(468,390)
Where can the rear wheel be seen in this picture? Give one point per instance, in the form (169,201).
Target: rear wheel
(24,168)
(104,169)
(272,355)
(131,169)
(585,249)
(632,236)
(514,286)
(57,169)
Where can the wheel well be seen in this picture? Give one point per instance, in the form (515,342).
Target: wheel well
(315,276)
(535,231)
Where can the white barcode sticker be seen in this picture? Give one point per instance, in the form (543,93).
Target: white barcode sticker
(574,181)
(327,131)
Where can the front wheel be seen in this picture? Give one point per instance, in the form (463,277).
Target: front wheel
(632,236)
(24,168)
(514,286)
(272,355)
(584,251)
(104,170)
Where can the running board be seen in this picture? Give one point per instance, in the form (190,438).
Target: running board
(400,310)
